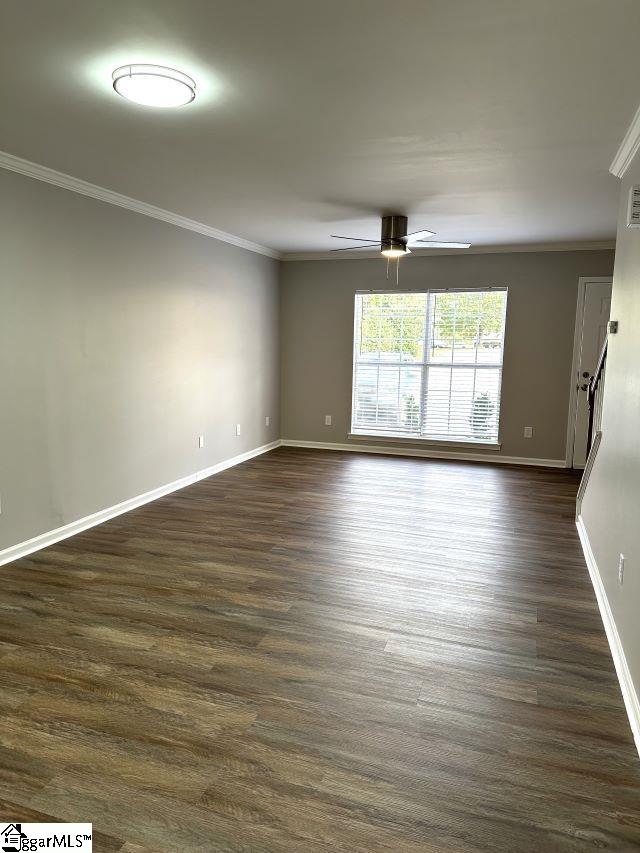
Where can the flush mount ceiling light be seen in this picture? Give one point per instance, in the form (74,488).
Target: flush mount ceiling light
(154,85)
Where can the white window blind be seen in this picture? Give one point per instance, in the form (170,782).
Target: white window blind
(429,364)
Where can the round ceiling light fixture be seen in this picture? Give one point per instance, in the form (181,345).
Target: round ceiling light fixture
(154,85)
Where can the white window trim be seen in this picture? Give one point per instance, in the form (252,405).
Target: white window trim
(398,438)
(405,438)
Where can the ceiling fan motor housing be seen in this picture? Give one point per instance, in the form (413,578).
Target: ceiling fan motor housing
(394,233)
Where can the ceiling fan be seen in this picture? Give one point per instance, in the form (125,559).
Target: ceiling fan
(395,243)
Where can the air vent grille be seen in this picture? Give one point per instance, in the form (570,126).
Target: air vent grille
(633,216)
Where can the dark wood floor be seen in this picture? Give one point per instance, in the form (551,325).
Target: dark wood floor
(317,651)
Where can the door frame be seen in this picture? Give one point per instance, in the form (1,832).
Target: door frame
(583,282)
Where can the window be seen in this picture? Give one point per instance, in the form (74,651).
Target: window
(429,364)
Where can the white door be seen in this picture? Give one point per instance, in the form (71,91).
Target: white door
(592,331)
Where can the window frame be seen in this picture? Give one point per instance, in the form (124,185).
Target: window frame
(371,432)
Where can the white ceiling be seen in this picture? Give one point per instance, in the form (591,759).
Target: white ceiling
(493,121)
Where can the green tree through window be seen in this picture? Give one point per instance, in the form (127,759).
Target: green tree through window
(393,323)
(471,316)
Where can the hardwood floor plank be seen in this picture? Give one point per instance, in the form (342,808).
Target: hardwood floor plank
(321,651)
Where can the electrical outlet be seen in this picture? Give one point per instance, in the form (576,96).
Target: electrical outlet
(201,441)
(528,432)
(327,420)
(237,429)
(621,569)
(267,420)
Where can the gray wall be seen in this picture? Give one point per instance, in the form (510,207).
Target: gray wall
(317,338)
(122,339)
(611,505)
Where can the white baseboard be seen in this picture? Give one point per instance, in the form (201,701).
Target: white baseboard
(426,452)
(629,693)
(14,552)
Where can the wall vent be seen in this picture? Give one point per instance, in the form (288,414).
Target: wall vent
(633,215)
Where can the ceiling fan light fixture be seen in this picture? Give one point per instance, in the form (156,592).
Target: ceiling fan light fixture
(154,85)
(395,251)
(395,241)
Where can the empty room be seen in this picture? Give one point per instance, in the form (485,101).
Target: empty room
(320,426)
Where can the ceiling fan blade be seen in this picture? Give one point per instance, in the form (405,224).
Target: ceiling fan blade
(419,235)
(439,244)
(355,239)
(351,248)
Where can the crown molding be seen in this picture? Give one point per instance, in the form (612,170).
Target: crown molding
(12,163)
(76,185)
(628,148)
(506,248)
